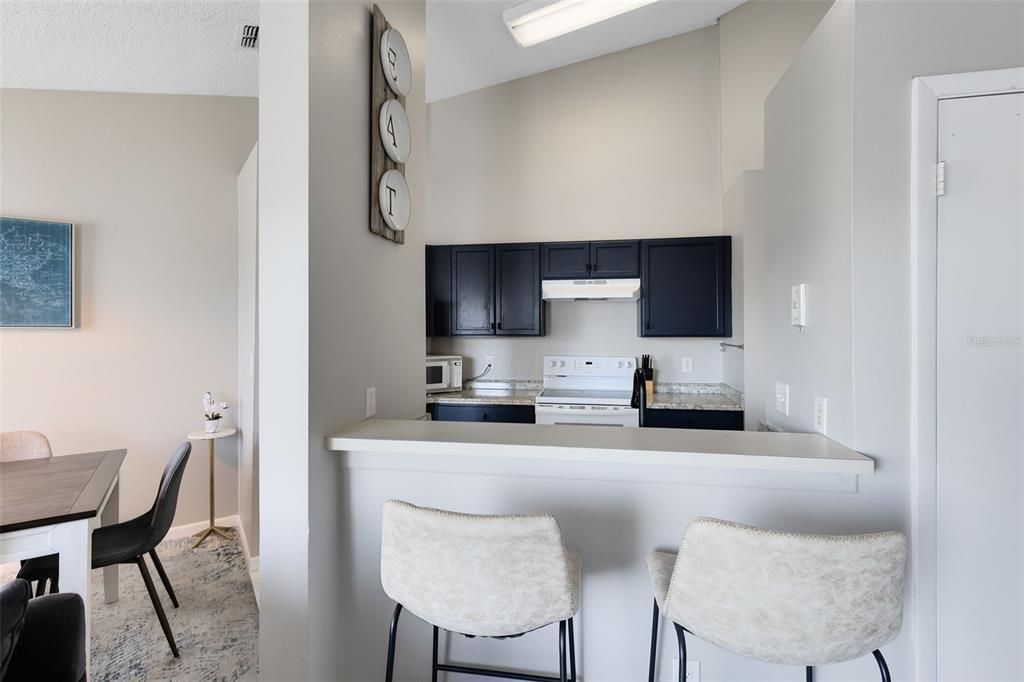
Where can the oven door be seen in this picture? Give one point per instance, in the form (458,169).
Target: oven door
(588,415)
(439,375)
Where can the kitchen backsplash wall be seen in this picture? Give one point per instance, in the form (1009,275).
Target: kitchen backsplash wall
(585,328)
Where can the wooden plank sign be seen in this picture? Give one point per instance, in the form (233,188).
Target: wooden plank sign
(390,139)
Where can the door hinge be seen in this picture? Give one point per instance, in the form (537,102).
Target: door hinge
(940,179)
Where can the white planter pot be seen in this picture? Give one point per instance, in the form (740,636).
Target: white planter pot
(212,425)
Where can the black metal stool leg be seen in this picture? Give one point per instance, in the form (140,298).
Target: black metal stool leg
(433,667)
(882,666)
(681,636)
(810,673)
(654,642)
(561,652)
(392,633)
(572,651)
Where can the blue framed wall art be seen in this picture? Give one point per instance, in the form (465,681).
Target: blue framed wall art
(37,274)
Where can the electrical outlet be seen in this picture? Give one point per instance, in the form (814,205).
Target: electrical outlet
(782,398)
(798,306)
(488,361)
(687,365)
(821,415)
(692,670)
(371,401)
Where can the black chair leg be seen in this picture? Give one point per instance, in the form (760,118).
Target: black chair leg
(654,642)
(882,667)
(561,652)
(392,634)
(155,598)
(54,587)
(41,587)
(681,636)
(572,651)
(163,577)
(433,669)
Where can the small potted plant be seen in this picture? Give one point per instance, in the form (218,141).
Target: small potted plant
(212,411)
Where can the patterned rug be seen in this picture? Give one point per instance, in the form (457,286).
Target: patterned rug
(215,627)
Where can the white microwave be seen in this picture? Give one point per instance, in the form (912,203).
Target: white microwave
(444,373)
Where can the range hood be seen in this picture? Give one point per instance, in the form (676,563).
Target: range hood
(590,289)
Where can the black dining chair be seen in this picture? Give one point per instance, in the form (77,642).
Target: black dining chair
(129,542)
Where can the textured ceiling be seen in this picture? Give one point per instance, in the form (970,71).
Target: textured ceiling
(469,47)
(156,46)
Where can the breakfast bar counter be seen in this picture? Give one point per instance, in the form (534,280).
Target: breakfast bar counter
(617,493)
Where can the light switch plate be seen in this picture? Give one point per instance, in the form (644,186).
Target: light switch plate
(371,401)
(798,306)
(821,415)
(782,398)
(687,365)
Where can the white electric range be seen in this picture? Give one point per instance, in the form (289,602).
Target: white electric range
(586,390)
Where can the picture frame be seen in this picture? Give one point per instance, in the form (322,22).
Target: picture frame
(38,274)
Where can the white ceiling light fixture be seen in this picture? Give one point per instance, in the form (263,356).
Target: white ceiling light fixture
(539,20)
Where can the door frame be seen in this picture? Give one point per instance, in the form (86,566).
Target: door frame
(926,93)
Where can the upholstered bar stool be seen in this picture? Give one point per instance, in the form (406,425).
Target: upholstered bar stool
(804,600)
(480,576)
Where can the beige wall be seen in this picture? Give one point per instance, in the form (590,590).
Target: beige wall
(150,182)
(621,146)
(248,440)
(340,310)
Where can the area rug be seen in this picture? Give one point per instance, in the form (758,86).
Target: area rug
(216,625)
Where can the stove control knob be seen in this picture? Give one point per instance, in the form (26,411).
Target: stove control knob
(621,364)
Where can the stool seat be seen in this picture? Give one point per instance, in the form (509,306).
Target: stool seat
(659,566)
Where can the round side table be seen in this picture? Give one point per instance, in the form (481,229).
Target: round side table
(211,437)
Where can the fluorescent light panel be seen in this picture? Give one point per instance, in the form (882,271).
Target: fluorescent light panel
(539,20)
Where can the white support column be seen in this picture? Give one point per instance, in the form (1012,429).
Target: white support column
(73,541)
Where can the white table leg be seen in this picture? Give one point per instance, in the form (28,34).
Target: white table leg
(108,517)
(73,540)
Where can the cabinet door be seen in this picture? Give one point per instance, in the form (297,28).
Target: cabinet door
(472,290)
(615,258)
(565,260)
(517,290)
(687,287)
(439,291)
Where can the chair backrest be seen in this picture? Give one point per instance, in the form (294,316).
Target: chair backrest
(488,576)
(162,512)
(788,598)
(18,445)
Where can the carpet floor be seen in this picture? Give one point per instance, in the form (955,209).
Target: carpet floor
(215,627)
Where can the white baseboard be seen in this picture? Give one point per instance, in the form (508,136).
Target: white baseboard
(252,564)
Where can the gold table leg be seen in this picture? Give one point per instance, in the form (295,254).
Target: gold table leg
(203,534)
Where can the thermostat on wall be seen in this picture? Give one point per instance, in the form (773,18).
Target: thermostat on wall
(798,306)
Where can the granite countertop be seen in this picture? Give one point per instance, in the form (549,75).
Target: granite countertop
(493,392)
(667,396)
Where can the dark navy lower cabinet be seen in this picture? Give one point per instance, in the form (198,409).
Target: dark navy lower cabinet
(721,420)
(686,287)
(506,414)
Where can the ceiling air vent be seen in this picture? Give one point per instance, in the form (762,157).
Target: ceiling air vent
(247,36)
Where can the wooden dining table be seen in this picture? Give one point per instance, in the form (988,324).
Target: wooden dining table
(51,506)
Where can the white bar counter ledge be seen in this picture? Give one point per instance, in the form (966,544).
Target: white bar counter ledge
(617,493)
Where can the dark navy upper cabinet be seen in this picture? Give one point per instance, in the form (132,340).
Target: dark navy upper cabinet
(686,287)
(615,259)
(586,260)
(517,290)
(439,290)
(565,260)
(472,290)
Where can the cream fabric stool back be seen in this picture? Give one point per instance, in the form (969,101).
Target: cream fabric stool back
(487,576)
(18,445)
(782,597)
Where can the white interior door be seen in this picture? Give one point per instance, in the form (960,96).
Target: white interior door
(980,390)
